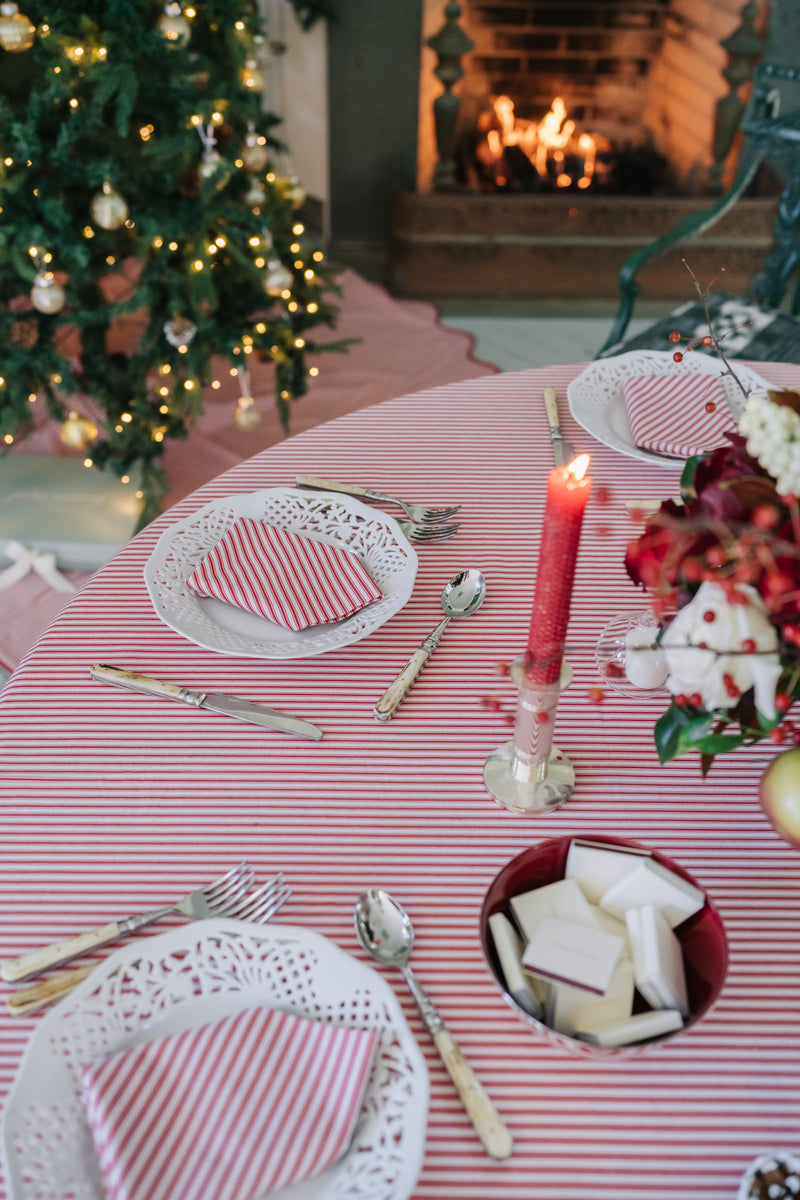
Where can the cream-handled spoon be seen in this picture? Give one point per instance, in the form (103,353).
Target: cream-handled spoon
(462,595)
(385,931)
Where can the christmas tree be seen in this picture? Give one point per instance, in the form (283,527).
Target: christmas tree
(142,187)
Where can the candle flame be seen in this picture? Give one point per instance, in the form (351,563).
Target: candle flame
(578,468)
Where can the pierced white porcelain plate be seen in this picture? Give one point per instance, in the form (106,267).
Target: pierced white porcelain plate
(374,537)
(201,972)
(596,403)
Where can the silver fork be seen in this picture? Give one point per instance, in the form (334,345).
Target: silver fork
(215,900)
(258,906)
(427,533)
(426,514)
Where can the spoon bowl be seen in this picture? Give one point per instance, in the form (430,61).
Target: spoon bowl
(384,928)
(464,594)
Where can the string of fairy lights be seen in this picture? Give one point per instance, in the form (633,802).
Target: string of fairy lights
(291,277)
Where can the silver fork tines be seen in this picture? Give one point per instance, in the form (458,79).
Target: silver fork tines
(261,904)
(427,533)
(227,890)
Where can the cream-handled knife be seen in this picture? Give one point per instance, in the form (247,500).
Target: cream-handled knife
(563,451)
(218,702)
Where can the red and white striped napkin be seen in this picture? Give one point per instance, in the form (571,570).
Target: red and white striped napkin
(229,1111)
(290,579)
(678,415)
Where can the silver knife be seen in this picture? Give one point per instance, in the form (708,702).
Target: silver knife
(563,451)
(229,706)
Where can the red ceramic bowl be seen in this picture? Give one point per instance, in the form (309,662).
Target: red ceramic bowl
(702,937)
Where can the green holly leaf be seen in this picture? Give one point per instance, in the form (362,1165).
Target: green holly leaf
(680,729)
(718,743)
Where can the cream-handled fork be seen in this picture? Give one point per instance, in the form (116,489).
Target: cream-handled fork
(215,900)
(258,906)
(425,514)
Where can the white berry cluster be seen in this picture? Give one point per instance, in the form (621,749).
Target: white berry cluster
(773,437)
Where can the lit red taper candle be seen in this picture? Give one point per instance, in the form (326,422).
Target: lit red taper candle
(568,491)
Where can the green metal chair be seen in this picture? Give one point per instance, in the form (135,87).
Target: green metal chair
(764,331)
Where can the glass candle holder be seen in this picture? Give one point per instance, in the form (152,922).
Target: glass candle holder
(530,774)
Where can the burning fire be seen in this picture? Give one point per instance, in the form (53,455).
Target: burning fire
(551,140)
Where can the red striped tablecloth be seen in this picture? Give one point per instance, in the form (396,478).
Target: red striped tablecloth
(114,802)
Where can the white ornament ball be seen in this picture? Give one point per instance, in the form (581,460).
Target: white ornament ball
(256,194)
(208,164)
(278,279)
(47,296)
(109,210)
(645,663)
(174,27)
(16,31)
(179,332)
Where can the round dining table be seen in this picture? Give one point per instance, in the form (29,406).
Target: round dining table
(115,802)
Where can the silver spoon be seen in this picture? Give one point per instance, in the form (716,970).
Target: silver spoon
(463,595)
(385,930)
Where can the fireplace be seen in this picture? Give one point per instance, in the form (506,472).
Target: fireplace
(584,130)
(558,91)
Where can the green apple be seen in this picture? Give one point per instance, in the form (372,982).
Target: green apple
(779,793)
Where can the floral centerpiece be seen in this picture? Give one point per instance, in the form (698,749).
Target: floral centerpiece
(723,568)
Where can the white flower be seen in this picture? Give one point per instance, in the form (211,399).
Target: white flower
(773,437)
(711,670)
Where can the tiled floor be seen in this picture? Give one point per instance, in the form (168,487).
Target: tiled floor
(513,341)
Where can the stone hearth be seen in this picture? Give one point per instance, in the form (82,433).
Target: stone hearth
(563,245)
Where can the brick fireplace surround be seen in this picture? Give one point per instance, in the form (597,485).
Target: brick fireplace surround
(644,74)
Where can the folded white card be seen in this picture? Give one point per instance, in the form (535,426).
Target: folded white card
(638,1028)
(563,899)
(657,959)
(508,945)
(564,952)
(650,883)
(570,1008)
(596,866)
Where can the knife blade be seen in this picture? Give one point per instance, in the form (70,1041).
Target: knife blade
(563,451)
(218,702)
